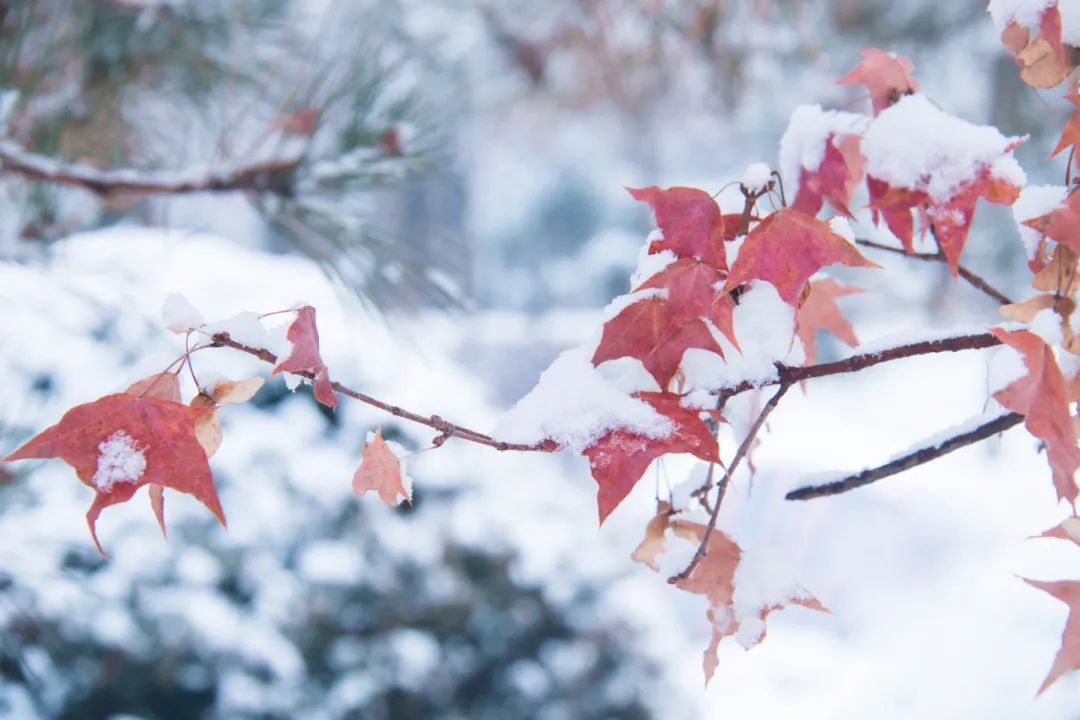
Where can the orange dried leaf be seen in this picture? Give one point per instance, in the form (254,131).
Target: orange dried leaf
(380,470)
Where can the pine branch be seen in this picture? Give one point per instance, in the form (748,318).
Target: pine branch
(906,462)
(270,176)
(974,280)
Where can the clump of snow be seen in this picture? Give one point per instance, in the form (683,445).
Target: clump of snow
(914,144)
(574,404)
(247,328)
(1023,12)
(842,227)
(763,578)
(1006,367)
(765,326)
(756,177)
(621,302)
(1035,201)
(1047,325)
(803,143)
(120,459)
(179,315)
(650,264)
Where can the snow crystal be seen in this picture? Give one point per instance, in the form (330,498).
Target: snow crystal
(120,459)
(914,144)
(179,315)
(574,404)
(763,578)
(1034,201)
(247,328)
(803,143)
(756,177)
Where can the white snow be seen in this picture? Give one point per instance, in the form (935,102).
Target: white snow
(914,144)
(803,143)
(574,404)
(1035,201)
(1047,325)
(179,315)
(840,225)
(621,302)
(756,177)
(1006,366)
(120,459)
(247,328)
(768,324)
(650,264)
(1023,12)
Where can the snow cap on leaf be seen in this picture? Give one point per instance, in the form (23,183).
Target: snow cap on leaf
(121,442)
(620,457)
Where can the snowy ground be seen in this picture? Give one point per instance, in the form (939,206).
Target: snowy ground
(920,571)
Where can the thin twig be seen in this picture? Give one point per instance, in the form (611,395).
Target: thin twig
(793,374)
(976,281)
(906,462)
(721,489)
(267,176)
(446,429)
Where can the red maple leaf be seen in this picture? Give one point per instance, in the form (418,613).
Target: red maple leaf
(619,458)
(888,77)
(380,470)
(689,220)
(1042,398)
(714,577)
(786,248)
(1070,134)
(820,312)
(1068,656)
(121,442)
(835,179)
(694,290)
(164,386)
(656,332)
(305,357)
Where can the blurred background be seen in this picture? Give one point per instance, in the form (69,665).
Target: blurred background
(444,180)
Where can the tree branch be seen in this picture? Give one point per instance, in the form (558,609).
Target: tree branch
(974,280)
(447,429)
(268,176)
(792,374)
(906,462)
(721,489)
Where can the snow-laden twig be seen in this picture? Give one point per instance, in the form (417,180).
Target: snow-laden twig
(912,459)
